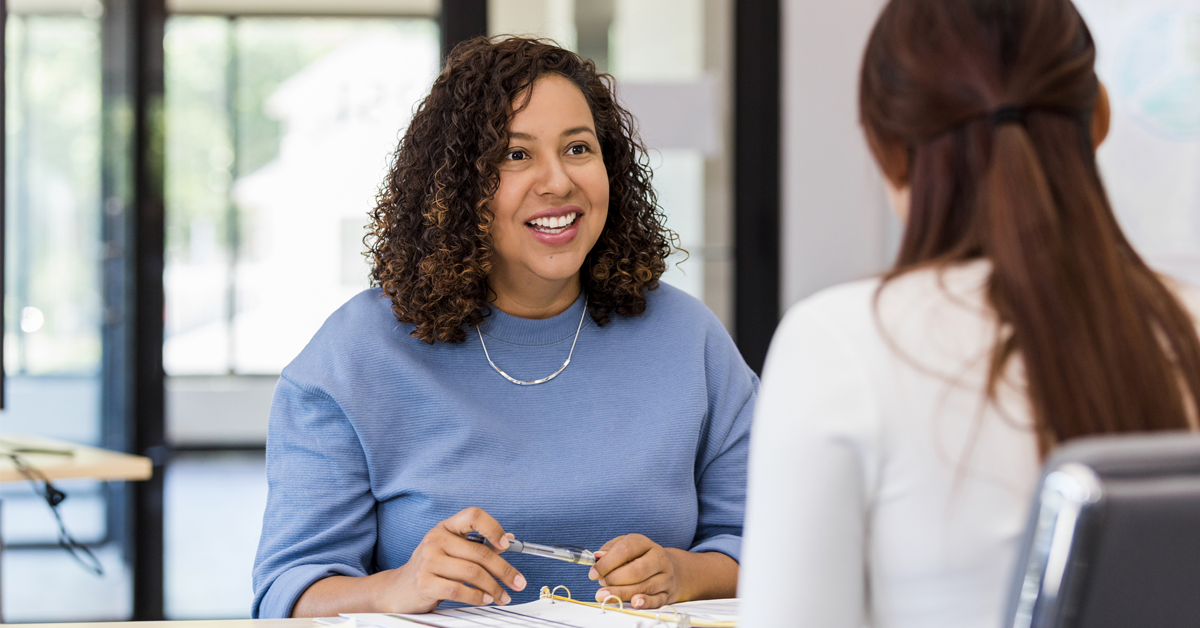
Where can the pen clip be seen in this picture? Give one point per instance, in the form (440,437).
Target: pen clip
(476,537)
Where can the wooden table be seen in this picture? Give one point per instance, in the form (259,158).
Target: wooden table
(59,461)
(69,460)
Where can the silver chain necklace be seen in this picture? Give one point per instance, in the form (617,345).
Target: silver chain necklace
(548,377)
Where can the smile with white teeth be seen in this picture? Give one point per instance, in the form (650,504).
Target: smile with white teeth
(553,224)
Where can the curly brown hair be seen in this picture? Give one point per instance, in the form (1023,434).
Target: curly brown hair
(430,232)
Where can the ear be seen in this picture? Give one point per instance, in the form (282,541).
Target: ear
(897,159)
(1101,117)
(890,156)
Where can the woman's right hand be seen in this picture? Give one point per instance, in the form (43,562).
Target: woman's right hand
(446,562)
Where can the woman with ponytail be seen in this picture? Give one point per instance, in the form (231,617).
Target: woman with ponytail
(903,420)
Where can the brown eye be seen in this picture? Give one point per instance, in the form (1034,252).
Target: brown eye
(515,155)
(578,149)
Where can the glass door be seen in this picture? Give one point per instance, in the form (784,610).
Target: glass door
(278,134)
(53,309)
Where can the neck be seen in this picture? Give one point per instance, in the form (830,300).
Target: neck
(536,300)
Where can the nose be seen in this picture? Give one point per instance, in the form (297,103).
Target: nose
(554,180)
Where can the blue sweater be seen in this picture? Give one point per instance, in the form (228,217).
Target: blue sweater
(376,436)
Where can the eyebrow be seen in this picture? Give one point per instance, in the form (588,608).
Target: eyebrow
(569,132)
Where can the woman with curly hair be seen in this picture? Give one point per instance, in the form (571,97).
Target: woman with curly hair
(517,370)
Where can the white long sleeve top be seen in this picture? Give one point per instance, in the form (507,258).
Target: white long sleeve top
(885,489)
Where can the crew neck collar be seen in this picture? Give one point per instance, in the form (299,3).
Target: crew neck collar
(530,331)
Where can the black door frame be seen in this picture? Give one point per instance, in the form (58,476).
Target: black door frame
(756,179)
(132,219)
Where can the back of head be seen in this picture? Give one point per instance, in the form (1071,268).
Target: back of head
(986,109)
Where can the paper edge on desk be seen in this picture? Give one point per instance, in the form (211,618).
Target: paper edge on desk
(379,620)
(685,607)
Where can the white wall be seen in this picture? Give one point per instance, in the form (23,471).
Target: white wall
(1148,55)
(544,18)
(835,222)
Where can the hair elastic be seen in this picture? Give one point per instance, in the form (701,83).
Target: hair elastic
(1007,114)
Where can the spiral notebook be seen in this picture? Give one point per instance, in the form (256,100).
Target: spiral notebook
(552,610)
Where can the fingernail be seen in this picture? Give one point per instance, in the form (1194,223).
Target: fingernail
(601,594)
(487,599)
(639,602)
(603,583)
(599,554)
(504,542)
(593,574)
(505,599)
(519,582)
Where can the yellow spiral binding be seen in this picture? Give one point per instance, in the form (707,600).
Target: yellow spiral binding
(547,594)
(680,620)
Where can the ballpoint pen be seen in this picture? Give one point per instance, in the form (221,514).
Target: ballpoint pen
(570,554)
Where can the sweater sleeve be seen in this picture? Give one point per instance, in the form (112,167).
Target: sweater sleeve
(320,516)
(811,465)
(721,462)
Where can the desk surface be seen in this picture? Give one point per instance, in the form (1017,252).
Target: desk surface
(215,623)
(76,461)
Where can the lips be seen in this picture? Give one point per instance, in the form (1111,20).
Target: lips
(555,227)
(553,224)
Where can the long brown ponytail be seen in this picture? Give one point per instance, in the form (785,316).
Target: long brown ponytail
(985,109)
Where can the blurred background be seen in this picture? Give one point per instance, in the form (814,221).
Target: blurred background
(187,185)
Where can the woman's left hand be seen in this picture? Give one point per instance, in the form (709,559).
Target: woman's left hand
(634,568)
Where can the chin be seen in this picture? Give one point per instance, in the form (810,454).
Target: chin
(558,272)
(558,276)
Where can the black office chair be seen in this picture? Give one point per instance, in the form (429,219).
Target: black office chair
(1113,538)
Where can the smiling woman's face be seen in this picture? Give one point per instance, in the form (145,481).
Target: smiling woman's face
(552,200)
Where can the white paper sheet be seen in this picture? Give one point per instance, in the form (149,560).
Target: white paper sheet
(543,614)
(709,610)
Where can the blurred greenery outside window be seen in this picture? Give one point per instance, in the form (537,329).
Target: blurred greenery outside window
(53,303)
(278,133)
